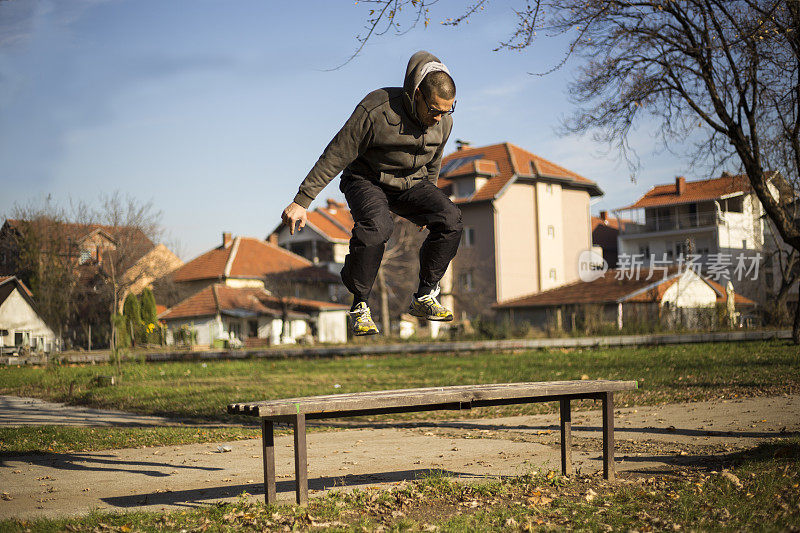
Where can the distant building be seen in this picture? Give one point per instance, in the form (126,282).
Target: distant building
(245,262)
(248,315)
(325,239)
(526,222)
(649,296)
(87,245)
(605,231)
(714,220)
(21,327)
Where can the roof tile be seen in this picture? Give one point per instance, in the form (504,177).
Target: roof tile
(254,259)
(694,191)
(510,161)
(219,298)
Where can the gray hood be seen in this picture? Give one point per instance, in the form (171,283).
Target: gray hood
(383,140)
(420,65)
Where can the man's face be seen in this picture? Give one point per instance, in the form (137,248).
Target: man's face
(430,110)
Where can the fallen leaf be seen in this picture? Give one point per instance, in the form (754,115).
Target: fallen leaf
(733,479)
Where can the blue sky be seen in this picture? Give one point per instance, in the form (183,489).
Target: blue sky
(216,110)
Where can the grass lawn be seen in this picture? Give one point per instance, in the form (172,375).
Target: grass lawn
(201,390)
(757,491)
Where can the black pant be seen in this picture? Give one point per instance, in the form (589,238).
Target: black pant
(371,206)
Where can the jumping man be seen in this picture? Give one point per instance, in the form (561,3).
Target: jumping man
(389,153)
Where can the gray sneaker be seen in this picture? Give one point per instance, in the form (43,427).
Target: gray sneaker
(361,321)
(429,308)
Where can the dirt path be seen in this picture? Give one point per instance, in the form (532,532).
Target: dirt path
(648,439)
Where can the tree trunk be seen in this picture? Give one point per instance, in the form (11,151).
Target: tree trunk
(385,324)
(796,327)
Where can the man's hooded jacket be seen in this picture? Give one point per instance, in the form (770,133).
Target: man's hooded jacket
(383,140)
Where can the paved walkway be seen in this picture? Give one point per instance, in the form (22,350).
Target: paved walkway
(648,439)
(16,411)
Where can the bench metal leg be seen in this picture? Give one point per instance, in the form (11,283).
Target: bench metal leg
(268,450)
(608,435)
(566,437)
(300,459)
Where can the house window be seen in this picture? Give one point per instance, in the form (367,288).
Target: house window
(86,255)
(468,237)
(744,243)
(553,274)
(551,232)
(465,280)
(236,329)
(644,251)
(18,338)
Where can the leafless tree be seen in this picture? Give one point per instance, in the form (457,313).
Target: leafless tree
(719,77)
(398,275)
(134,226)
(786,261)
(38,248)
(473,283)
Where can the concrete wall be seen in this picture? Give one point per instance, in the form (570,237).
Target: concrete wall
(17,316)
(689,291)
(577,229)
(517,236)
(332,326)
(742,231)
(208,329)
(244,283)
(550,204)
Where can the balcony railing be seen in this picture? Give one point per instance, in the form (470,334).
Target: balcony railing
(674,222)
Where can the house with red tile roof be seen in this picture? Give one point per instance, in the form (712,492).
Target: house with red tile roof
(21,326)
(325,238)
(526,221)
(249,262)
(248,314)
(710,220)
(641,297)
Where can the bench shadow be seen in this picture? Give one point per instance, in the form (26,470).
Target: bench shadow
(766,451)
(555,428)
(285,489)
(99,463)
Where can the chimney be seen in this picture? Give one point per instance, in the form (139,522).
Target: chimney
(461,144)
(333,205)
(226,239)
(680,185)
(604,215)
(273,239)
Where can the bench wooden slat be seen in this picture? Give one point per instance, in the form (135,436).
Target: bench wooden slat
(409,398)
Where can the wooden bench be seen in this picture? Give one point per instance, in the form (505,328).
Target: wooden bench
(296,411)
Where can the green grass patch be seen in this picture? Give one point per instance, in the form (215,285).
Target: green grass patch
(195,389)
(757,491)
(63,439)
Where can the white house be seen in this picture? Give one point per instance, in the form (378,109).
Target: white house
(252,316)
(21,327)
(670,297)
(718,222)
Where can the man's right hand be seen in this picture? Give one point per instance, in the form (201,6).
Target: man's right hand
(295,214)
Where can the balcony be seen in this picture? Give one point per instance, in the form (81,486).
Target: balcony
(672,223)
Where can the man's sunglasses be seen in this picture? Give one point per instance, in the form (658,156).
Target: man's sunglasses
(436,112)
